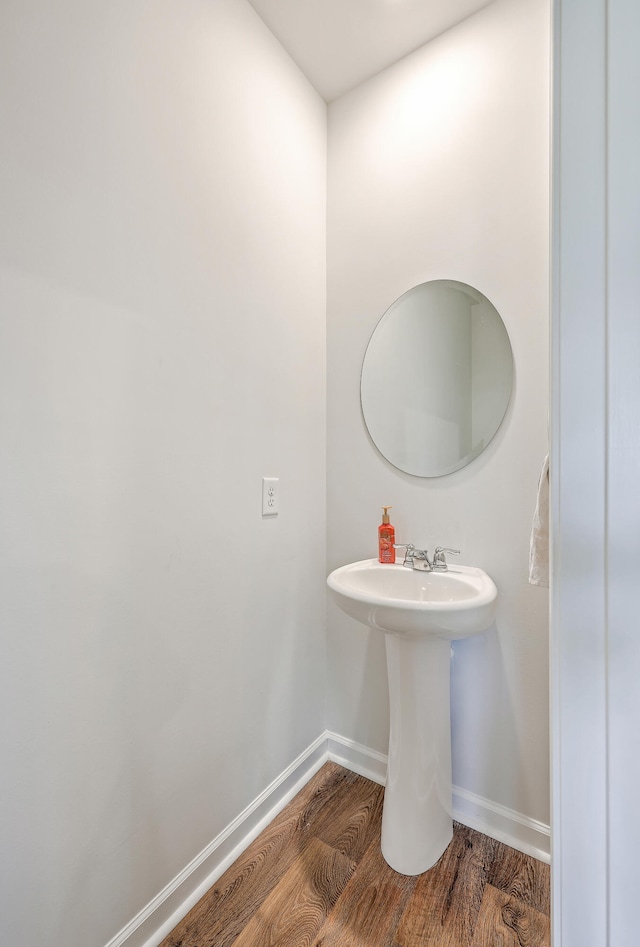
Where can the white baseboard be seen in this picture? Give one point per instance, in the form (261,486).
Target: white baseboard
(160,916)
(358,758)
(514,829)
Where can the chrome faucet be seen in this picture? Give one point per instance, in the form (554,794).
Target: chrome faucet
(418,559)
(414,558)
(421,561)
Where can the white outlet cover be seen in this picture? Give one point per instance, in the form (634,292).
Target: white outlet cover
(270,496)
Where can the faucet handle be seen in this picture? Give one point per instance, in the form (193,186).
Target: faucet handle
(408,552)
(439,562)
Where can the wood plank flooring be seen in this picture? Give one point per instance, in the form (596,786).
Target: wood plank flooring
(316,878)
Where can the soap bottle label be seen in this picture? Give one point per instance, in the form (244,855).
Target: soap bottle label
(386,551)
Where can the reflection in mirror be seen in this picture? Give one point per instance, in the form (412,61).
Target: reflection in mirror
(436,378)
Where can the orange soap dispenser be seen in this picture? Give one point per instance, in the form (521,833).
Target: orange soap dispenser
(386,538)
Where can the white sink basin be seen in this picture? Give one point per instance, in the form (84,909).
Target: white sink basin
(452,604)
(419,612)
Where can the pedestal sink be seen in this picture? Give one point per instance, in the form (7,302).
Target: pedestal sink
(419,614)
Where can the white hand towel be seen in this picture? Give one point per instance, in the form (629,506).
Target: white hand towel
(539,546)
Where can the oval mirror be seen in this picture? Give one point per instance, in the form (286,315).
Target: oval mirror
(436,378)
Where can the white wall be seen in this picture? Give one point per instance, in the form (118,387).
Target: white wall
(162,332)
(438,169)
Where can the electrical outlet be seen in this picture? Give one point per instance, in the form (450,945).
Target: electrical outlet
(270,496)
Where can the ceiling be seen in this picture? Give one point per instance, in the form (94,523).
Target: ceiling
(339,43)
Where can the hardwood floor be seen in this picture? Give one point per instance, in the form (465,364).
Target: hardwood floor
(316,878)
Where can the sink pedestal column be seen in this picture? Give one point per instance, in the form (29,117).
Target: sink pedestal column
(416,817)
